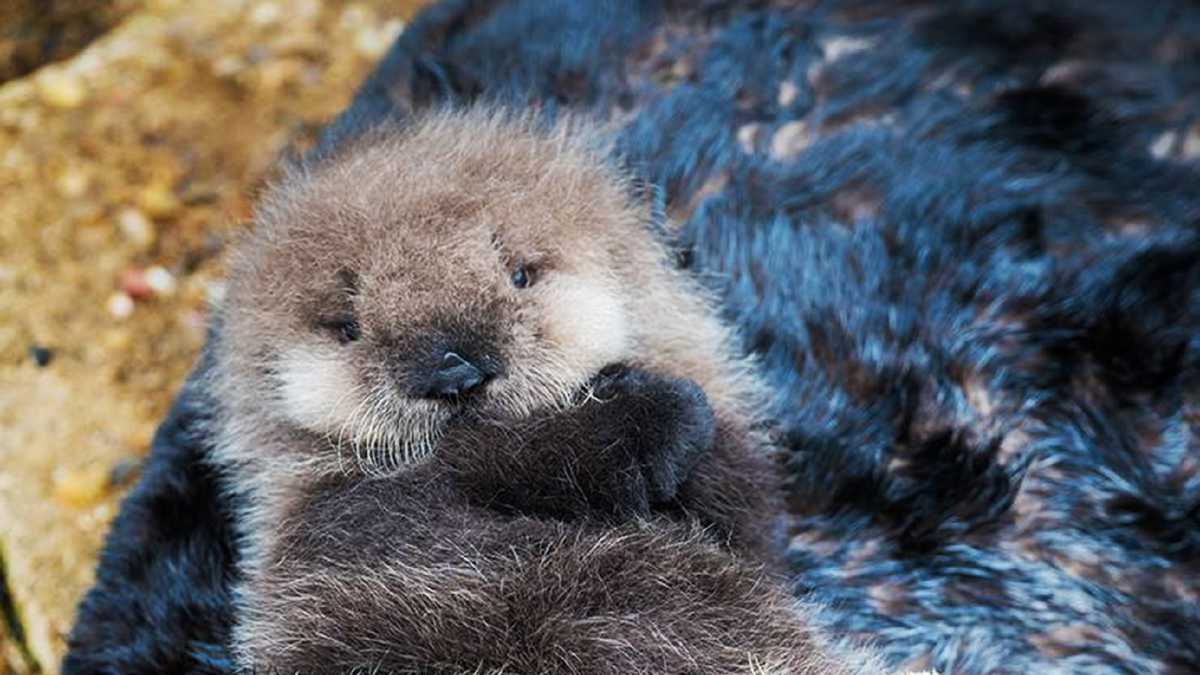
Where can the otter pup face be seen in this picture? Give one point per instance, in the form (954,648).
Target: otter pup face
(467,262)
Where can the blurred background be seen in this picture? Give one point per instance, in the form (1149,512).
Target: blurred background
(133,137)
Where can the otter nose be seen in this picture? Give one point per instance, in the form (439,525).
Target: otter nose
(455,376)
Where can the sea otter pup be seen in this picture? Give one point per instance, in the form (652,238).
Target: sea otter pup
(485,425)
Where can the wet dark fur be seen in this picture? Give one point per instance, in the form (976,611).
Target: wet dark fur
(973,285)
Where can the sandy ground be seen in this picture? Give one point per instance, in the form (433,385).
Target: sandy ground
(123,170)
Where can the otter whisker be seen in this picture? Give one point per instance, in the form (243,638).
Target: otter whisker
(347,424)
(360,418)
(366,444)
(352,428)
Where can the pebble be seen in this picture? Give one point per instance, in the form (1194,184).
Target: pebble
(73,183)
(354,16)
(299,44)
(160,281)
(81,487)
(274,75)
(14,158)
(135,284)
(372,42)
(158,201)
(117,340)
(41,355)
(120,305)
(265,14)
(228,65)
(306,10)
(60,88)
(136,227)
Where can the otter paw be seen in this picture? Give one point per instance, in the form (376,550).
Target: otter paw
(664,422)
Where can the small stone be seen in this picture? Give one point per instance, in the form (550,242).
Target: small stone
(60,88)
(158,200)
(73,183)
(228,65)
(137,228)
(257,54)
(299,44)
(372,42)
(87,63)
(14,158)
(41,355)
(391,29)
(117,340)
(356,15)
(305,9)
(135,284)
(120,305)
(81,487)
(160,281)
(265,14)
(276,74)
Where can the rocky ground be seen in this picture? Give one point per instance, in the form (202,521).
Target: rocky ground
(133,134)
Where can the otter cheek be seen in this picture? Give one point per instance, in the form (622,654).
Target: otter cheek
(589,324)
(317,387)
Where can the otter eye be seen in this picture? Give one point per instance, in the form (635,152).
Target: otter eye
(522,277)
(345,328)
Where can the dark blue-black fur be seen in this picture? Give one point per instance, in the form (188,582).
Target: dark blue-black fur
(966,252)
(162,602)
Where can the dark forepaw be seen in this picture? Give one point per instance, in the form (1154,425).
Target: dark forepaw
(664,422)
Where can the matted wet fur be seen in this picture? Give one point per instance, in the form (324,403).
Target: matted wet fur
(962,239)
(561,514)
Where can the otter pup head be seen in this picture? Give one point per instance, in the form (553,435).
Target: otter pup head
(465,261)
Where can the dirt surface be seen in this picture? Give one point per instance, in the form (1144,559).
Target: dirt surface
(123,171)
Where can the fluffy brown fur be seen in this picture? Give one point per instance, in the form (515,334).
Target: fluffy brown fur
(462,590)
(557,519)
